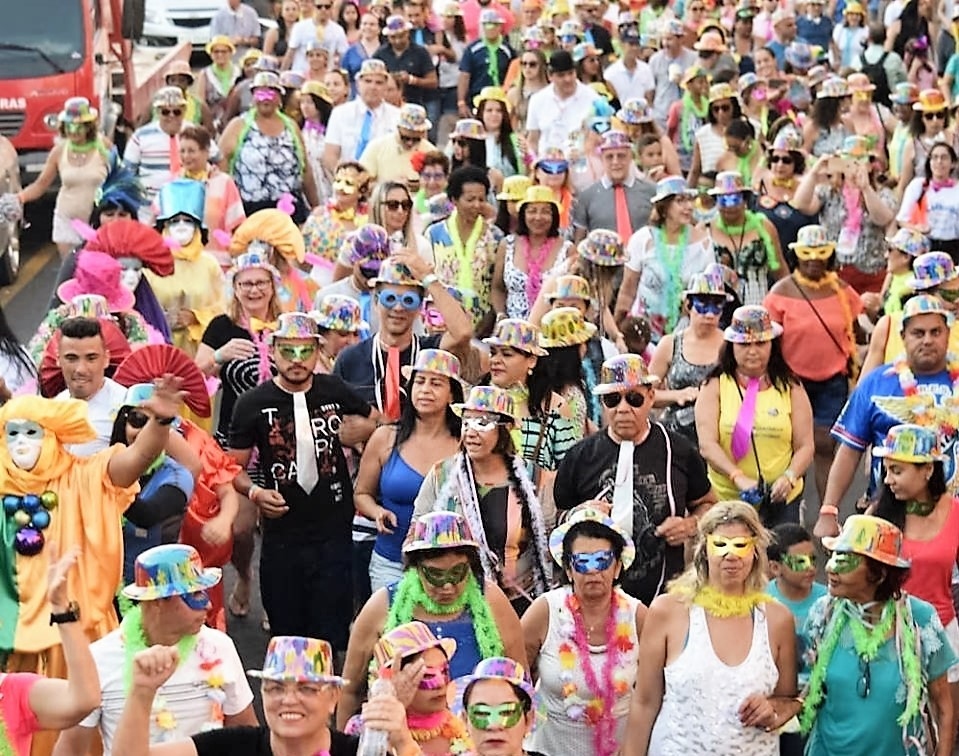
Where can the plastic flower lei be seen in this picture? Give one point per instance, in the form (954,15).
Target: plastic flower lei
(596,710)
(908,382)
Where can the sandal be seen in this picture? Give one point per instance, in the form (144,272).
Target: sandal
(239,601)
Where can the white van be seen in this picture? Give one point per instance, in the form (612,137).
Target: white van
(169,22)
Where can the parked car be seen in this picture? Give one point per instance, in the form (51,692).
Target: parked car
(169,22)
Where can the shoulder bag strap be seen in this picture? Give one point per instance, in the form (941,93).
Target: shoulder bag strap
(821,321)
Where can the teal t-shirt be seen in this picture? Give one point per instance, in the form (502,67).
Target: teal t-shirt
(852,724)
(952,69)
(799,609)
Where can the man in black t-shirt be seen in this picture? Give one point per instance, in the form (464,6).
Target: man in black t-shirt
(298,423)
(411,62)
(658,497)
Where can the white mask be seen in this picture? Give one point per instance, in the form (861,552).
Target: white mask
(24,442)
(132,272)
(181,231)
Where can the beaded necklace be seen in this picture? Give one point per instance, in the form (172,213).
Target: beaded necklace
(908,382)
(534,268)
(920,508)
(443,724)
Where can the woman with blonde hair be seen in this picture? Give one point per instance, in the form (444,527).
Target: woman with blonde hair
(716,649)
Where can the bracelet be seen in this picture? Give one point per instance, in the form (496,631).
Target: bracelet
(250,491)
(829,509)
(429,280)
(217,357)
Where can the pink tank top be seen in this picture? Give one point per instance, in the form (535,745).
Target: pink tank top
(930,577)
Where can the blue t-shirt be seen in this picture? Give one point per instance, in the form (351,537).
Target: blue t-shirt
(864,422)
(853,724)
(815,31)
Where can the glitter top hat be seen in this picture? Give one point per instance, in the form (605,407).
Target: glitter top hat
(709,283)
(589,514)
(834,86)
(487,399)
(614,140)
(437,361)
(173,569)
(671,186)
(563,327)
(439,530)
(570,287)
(290,80)
(468,128)
(635,111)
(909,443)
(293,658)
(870,536)
(98,273)
(694,72)
(316,89)
(910,241)
(538,194)
(930,270)
(514,188)
(253,261)
(746,81)
(393,272)
(930,101)
(338,312)
(413,118)
(408,639)
(752,324)
(905,93)
(729,182)
(812,237)
(77,110)
(799,55)
(295,325)
(623,372)
(518,334)
(181,197)
(924,304)
(603,247)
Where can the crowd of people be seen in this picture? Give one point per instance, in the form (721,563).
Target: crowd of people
(527,339)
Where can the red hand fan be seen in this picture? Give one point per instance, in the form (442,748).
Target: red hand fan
(154,360)
(51,379)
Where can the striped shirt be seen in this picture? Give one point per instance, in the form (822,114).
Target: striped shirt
(149,153)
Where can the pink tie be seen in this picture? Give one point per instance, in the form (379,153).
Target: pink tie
(623,226)
(743,429)
(174,155)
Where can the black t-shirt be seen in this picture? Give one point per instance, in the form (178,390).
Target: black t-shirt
(590,466)
(355,365)
(416,61)
(263,419)
(255,741)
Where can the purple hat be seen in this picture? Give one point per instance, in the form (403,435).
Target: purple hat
(614,140)
(438,530)
(931,270)
(408,639)
(369,244)
(396,24)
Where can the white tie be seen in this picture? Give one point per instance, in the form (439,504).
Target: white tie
(623,488)
(307,474)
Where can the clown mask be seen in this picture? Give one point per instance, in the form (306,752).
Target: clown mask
(132,272)
(181,231)
(24,442)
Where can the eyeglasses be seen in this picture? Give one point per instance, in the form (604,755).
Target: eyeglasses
(799,562)
(594,561)
(260,284)
(706,306)
(934,116)
(432,176)
(723,108)
(296,352)
(176,112)
(404,205)
(729,200)
(842,563)
(137,419)
(719,545)
(197,600)
(633,398)
(484,717)
(529,63)
(479,424)
(408,300)
(864,682)
(784,159)
(303,691)
(435,678)
(452,576)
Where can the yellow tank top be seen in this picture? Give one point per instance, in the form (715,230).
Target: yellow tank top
(772,430)
(896,145)
(895,347)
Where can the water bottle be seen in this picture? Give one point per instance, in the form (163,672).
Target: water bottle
(377,742)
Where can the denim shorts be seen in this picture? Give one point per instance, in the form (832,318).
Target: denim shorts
(827,398)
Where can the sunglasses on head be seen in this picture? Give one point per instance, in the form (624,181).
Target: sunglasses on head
(452,576)
(554,167)
(706,306)
(843,562)
(485,717)
(799,562)
(593,561)
(740,546)
(633,398)
(171,111)
(784,159)
(404,205)
(296,352)
(480,424)
(934,116)
(435,678)
(197,600)
(408,300)
(137,419)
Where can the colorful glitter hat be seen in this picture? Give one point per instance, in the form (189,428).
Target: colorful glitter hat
(413,118)
(492,94)
(173,569)
(294,325)
(514,188)
(709,283)
(493,668)
(817,75)
(910,241)
(615,140)
(518,334)
(671,186)
(635,111)
(870,536)
(252,261)
(293,80)
(603,247)
(746,81)
(490,16)
(532,38)
(931,270)
(729,182)
(924,304)
(538,194)
(316,89)
(752,324)
(812,237)
(468,128)
(856,147)
(570,287)
(712,42)
(833,87)
(372,67)
(487,399)
(77,110)
(90,306)
(396,24)
(338,312)
(293,658)
(408,639)
(181,197)
(570,28)
(799,55)
(437,361)
(585,50)
(439,530)
(369,243)
(721,91)
(267,80)
(623,373)
(904,93)
(393,272)
(168,97)
(563,327)
(673,27)
(909,443)
(787,140)
(590,514)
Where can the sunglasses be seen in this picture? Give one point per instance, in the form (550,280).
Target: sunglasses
(741,546)
(171,111)
(504,716)
(137,419)
(784,159)
(438,578)
(633,398)
(934,116)
(799,562)
(554,167)
(479,424)
(529,63)
(435,678)
(729,200)
(408,300)
(706,306)
(404,205)
(842,563)
(296,352)
(720,108)
(323,7)
(594,561)
(198,600)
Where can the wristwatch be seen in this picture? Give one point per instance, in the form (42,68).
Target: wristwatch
(72,614)
(429,279)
